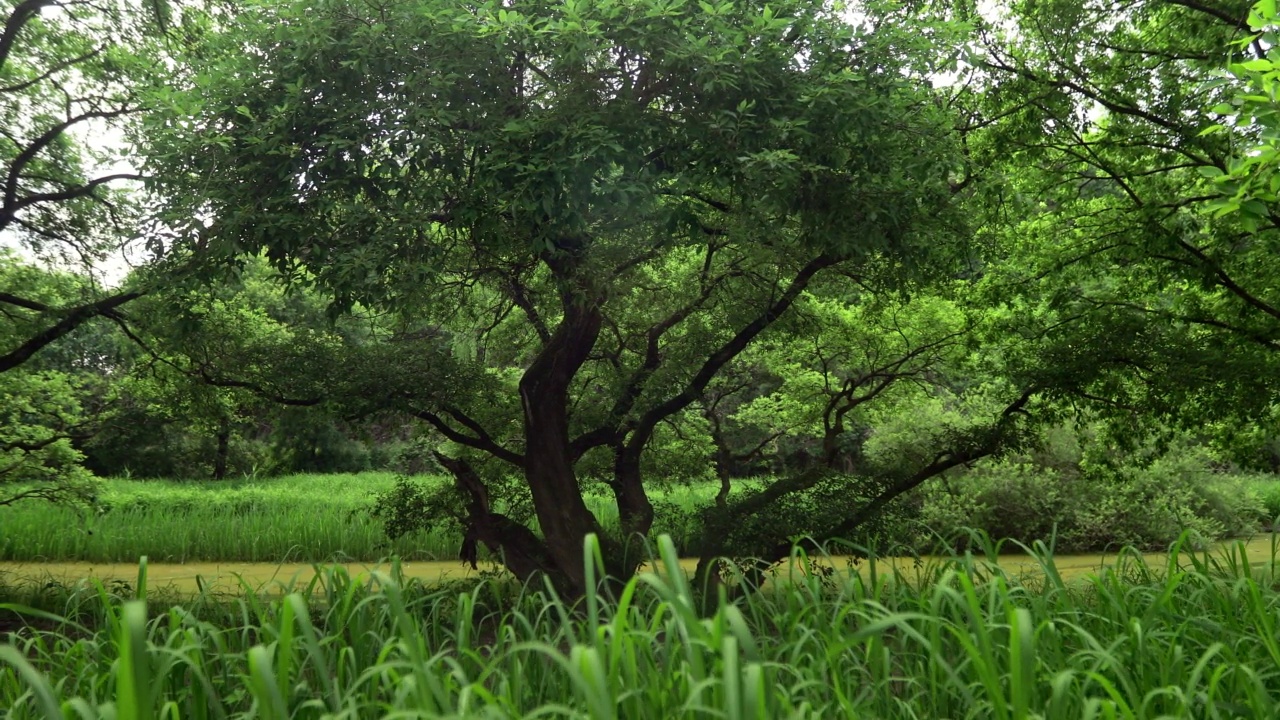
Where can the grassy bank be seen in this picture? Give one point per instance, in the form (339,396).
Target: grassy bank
(1136,642)
(298,518)
(325,518)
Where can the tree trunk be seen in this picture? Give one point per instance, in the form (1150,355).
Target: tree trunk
(635,514)
(223,450)
(548,467)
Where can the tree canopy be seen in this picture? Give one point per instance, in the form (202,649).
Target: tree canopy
(605,203)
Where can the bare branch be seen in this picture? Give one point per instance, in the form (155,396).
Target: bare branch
(55,68)
(70,193)
(29,153)
(484,442)
(735,345)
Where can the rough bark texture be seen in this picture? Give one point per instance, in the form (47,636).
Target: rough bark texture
(635,515)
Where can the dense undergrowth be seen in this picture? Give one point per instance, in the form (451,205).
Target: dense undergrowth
(1193,638)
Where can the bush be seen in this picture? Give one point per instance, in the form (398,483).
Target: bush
(1267,488)
(1094,506)
(307,441)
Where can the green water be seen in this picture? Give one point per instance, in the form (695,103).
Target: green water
(234,578)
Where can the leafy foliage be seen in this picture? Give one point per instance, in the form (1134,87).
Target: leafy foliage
(1096,501)
(594,206)
(40,415)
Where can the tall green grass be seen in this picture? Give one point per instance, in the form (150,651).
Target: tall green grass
(956,639)
(1268,491)
(299,518)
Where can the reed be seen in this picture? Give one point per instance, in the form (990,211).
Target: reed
(297,518)
(1195,638)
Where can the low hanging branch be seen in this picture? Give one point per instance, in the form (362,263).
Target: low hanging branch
(519,549)
(71,319)
(981,444)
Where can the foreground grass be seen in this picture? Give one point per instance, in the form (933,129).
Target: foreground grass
(963,640)
(298,518)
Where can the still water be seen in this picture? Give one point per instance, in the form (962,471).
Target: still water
(231,577)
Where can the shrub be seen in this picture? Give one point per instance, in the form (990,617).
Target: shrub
(307,441)
(1094,506)
(1267,489)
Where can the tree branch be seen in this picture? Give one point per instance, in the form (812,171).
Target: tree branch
(484,442)
(24,158)
(1235,22)
(18,18)
(1226,281)
(988,443)
(71,193)
(635,384)
(24,303)
(73,319)
(693,390)
(55,68)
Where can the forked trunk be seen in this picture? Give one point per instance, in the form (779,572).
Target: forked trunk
(519,550)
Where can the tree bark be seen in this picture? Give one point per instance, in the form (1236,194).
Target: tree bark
(635,514)
(223,450)
(549,458)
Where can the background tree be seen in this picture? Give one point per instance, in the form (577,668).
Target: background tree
(56,399)
(67,72)
(1104,130)
(243,375)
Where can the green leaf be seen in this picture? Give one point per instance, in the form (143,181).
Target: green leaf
(1257,65)
(1254,207)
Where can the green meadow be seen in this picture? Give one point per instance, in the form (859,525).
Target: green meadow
(296,518)
(309,518)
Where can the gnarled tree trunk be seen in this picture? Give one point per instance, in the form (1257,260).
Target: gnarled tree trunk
(520,550)
(549,459)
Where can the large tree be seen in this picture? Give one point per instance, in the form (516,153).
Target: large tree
(596,205)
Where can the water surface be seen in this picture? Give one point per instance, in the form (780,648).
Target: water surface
(231,577)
